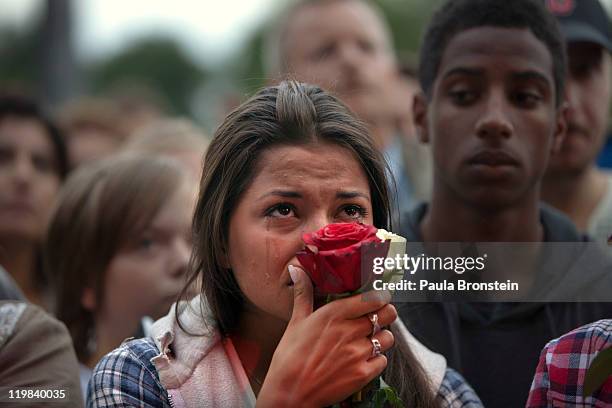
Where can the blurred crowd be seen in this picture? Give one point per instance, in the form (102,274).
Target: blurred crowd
(97,199)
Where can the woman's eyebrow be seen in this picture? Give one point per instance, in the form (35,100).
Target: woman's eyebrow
(282,193)
(351,194)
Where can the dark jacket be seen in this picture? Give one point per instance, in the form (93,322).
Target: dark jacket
(496,345)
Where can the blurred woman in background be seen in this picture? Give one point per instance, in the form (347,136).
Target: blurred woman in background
(33,164)
(118,246)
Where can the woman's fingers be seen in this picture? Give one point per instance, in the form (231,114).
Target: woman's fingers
(359,305)
(375,366)
(302,294)
(355,360)
(384,317)
(387,315)
(385,341)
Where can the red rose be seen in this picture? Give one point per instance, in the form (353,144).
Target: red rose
(333,255)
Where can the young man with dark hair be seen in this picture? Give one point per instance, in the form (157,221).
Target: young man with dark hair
(573,183)
(492,72)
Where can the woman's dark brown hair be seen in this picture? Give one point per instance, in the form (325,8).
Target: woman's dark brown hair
(291,113)
(102,207)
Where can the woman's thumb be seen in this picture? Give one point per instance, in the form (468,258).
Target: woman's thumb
(302,293)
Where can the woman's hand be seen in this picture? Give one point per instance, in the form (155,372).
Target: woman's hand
(325,356)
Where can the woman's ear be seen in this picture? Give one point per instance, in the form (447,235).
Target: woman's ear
(419,114)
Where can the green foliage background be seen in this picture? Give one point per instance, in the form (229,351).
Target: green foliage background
(160,62)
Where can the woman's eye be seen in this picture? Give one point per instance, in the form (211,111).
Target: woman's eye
(42,164)
(6,156)
(145,243)
(281,211)
(355,211)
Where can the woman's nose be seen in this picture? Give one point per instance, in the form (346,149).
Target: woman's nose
(317,222)
(22,170)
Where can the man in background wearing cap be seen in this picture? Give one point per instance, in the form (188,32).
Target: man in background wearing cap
(573,182)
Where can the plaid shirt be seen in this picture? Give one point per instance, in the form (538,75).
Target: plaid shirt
(559,377)
(126,377)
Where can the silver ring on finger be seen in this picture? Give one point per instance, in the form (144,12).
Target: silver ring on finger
(374,320)
(376,347)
